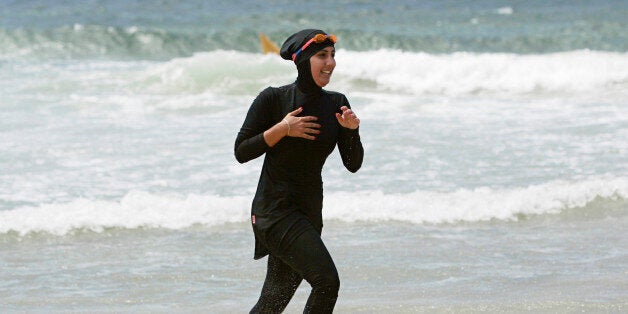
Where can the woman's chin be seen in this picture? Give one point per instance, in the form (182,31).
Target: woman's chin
(322,82)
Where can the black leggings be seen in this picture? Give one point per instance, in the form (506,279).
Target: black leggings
(297,253)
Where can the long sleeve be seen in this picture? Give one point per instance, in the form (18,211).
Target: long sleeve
(249,143)
(349,144)
(351,150)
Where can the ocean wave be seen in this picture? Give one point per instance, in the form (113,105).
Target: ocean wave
(472,73)
(222,71)
(209,80)
(95,41)
(477,205)
(410,73)
(144,210)
(161,43)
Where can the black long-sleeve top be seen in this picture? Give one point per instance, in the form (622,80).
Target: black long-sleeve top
(290,179)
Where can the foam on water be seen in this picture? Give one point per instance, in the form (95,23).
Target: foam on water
(494,175)
(220,71)
(143,210)
(480,204)
(237,73)
(421,73)
(135,210)
(472,73)
(374,72)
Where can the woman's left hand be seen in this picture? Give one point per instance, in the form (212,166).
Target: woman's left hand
(347,119)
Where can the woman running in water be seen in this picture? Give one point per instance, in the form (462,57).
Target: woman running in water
(297,126)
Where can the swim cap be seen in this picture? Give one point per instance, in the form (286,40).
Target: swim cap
(302,45)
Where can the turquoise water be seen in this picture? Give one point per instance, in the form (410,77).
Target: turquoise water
(495,175)
(169,29)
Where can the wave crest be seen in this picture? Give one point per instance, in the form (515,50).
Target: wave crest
(145,210)
(472,73)
(89,41)
(405,73)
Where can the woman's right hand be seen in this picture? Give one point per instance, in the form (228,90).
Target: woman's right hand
(303,127)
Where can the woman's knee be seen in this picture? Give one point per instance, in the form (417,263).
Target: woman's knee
(327,280)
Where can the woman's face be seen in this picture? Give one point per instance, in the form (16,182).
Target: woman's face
(322,65)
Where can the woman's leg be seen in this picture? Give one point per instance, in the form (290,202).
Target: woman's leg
(279,287)
(308,255)
(303,250)
(298,252)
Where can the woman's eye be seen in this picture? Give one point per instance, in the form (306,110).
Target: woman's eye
(325,55)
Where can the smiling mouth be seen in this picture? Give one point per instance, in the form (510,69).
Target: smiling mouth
(326,72)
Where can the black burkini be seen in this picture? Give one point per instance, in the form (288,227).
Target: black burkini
(291,175)
(286,211)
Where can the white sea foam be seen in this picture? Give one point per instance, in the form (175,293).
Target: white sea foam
(135,210)
(480,204)
(505,11)
(471,73)
(405,72)
(380,72)
(144,210)
(226,71)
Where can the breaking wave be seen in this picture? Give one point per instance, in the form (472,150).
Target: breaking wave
(144,210)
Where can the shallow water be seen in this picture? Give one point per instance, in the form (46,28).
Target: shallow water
(559,263)
(495,175)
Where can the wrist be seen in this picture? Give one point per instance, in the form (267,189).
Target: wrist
(287,127)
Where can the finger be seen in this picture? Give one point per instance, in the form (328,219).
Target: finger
(309,118)
(312,131)
(308,137)
(343,108)
(339,117)
(296,112)
(312,125)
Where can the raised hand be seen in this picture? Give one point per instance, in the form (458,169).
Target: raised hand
(347,119)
